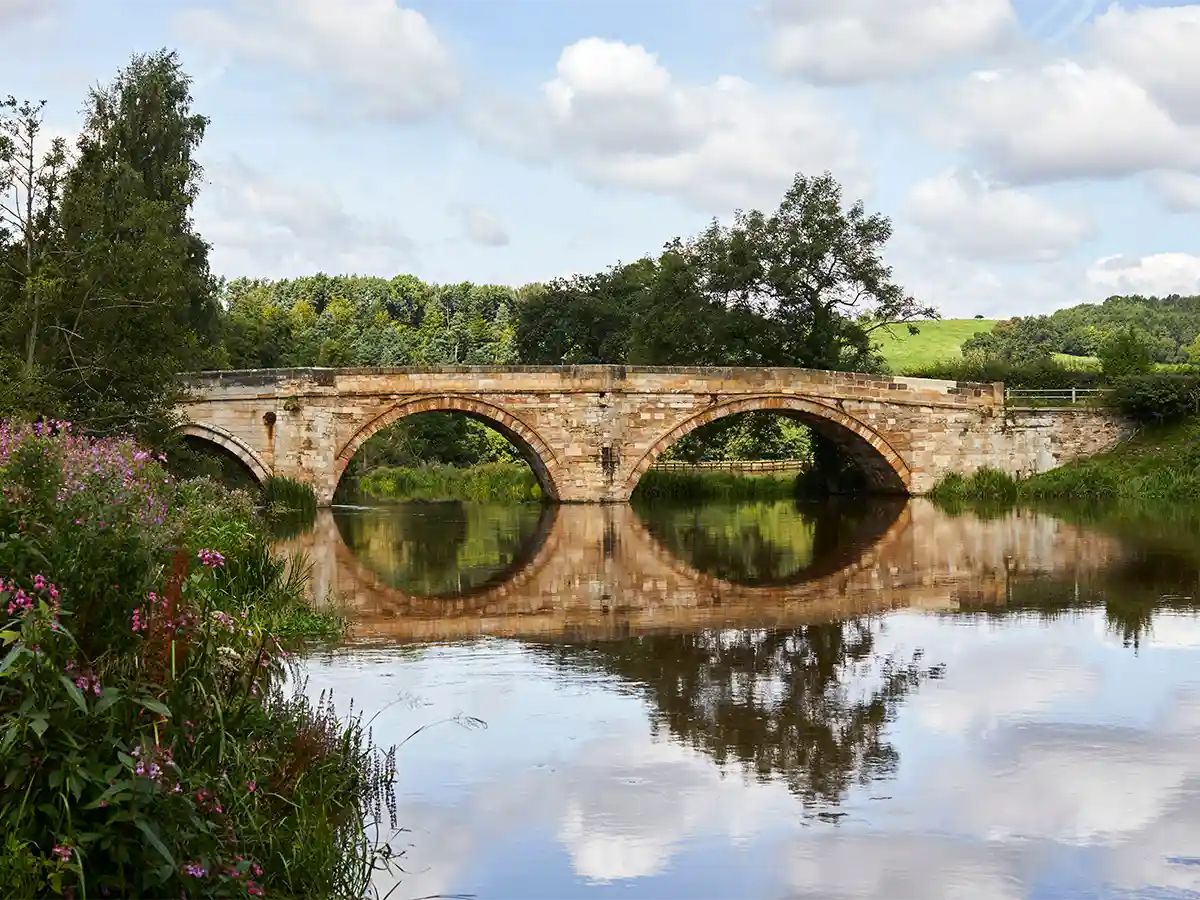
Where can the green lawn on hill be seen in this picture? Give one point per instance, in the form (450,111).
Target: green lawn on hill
(937,341)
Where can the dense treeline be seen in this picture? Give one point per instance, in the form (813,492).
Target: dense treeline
(1167,326)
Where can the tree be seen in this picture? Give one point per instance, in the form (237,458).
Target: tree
(1125,353)
(30,186)
(814,269)
(138,300)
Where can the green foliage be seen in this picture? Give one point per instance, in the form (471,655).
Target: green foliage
(1125,353)
(112,296)
(496,482)
(753,435)
(1167,326)
(324,320)
(660,485)
(1158,398)
(934,342)
(804,285)
(1040,373)
(147,745)
(288,495)
(985,485)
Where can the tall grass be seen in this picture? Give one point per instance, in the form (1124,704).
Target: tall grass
(286,495)
(494,482)
(667,485)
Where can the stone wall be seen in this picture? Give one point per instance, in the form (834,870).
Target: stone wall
(591,432)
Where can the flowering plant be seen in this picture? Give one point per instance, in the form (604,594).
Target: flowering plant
(147,746)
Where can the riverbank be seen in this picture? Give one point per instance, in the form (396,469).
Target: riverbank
(676,485)
(1160,465)
(150,742)
(492,482)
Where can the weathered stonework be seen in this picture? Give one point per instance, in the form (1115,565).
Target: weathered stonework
(591,432)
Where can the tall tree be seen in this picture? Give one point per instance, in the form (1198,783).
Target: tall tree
(139,296)
(814,268)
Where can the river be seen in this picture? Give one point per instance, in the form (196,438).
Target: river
(767,700)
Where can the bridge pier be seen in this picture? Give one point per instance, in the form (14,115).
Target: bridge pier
(591,432)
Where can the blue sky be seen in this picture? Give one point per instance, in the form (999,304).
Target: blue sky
(1030,154)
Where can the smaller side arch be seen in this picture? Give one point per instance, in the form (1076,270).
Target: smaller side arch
(880,462)
(528,442)
(214,434)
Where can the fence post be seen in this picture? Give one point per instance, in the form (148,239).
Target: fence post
(1073,396)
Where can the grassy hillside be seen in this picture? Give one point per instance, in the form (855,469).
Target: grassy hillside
(937,341)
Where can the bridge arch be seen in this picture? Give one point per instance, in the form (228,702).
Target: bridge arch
(528,442)
(885,469)
(215,434)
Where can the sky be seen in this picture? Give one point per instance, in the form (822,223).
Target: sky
(1032,154)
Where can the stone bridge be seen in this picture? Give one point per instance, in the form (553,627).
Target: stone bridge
(591,432)
(596,573)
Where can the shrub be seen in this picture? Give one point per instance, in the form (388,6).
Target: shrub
(1041,374)
(1158,398)
(147,744)
(1125,353)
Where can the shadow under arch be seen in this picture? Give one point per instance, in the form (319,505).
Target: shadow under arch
(842,542)
(535,451)
(232,444)
(884,468)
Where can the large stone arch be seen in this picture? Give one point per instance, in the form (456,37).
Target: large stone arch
(230,442)
(528,442)
(884,467)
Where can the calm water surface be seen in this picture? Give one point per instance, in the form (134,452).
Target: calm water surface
(769,700)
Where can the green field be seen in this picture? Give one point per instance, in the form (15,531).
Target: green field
(937,341)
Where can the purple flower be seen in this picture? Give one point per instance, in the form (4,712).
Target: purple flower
(195,870)
(63,852)
(211,559)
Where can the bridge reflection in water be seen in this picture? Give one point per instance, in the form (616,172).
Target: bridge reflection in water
(585,573)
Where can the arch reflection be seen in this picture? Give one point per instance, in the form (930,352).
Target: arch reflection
(442,550)
(600,572)
(772,543)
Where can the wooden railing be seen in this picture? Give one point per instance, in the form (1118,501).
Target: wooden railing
(733,465)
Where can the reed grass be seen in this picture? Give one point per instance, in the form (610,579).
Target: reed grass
(493,482)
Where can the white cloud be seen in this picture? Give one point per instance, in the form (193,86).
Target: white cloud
(1157,48)
(618,117)
(482,227)
(853,41)
(1065,120)
(898,867)
(1158,274)
(260,225)
(981,221)
(14,11)
(1179,192)
(381,59)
